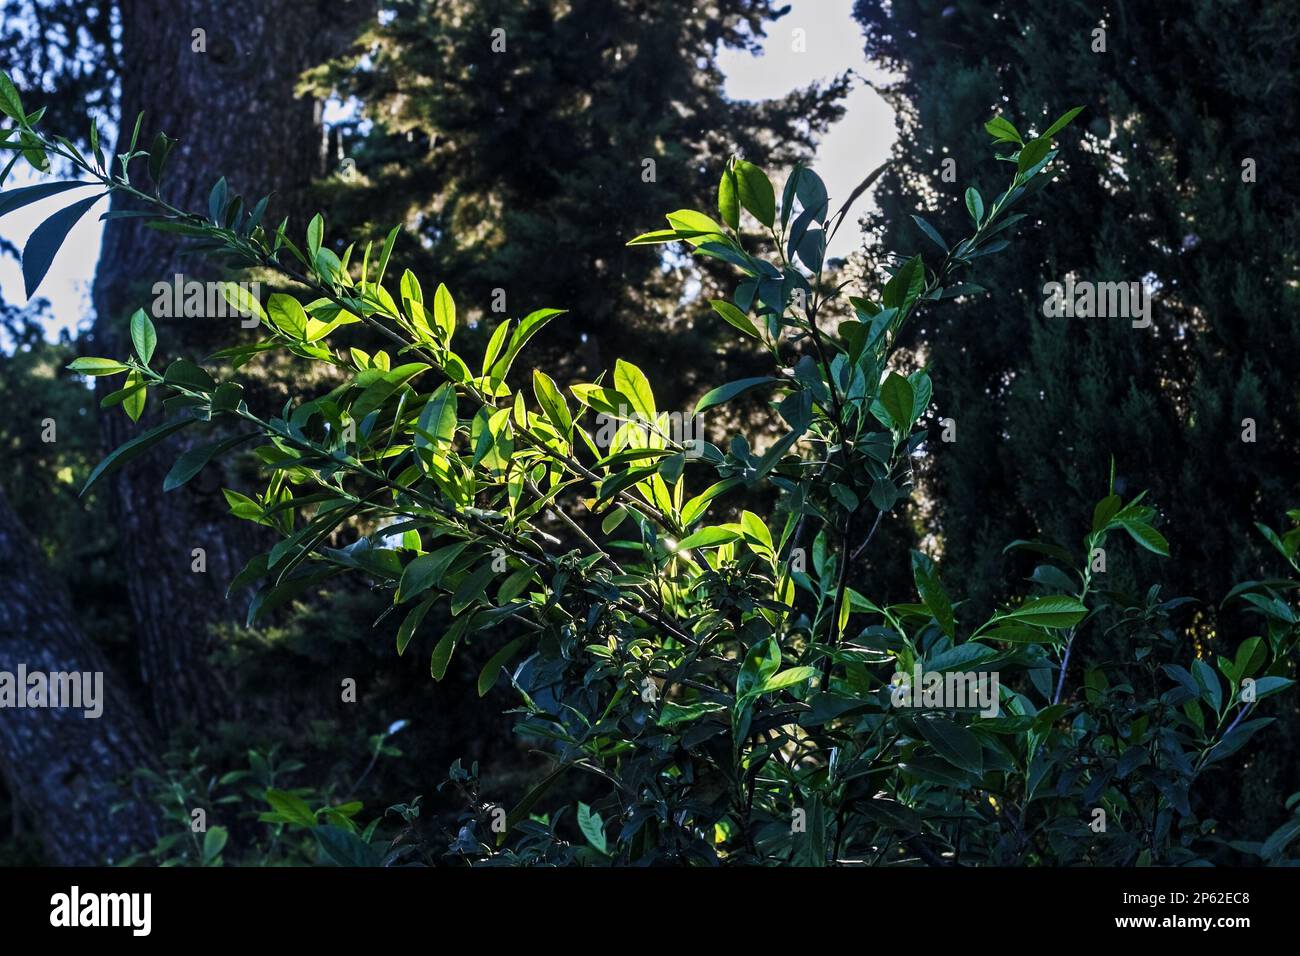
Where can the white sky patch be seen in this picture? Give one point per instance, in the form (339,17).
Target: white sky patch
(832,43)
(67,284)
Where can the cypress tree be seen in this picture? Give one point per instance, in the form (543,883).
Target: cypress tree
(1179,175)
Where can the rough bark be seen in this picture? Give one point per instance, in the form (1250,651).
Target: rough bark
(66,770)
(234,111)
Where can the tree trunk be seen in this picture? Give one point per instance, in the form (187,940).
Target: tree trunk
(66,770)
(220,76)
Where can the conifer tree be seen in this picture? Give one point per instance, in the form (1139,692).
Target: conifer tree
(1180,175)
(506,132)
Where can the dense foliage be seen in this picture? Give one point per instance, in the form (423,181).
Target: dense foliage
(437,131)
(734,696)
(1177,177)
(498,132)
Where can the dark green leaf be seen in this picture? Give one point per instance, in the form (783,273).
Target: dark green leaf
(954,743)
(143,335)
(492,669)
(725,393)
(44,243)
(133,449)
(11,199)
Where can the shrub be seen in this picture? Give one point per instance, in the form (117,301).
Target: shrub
(736,695)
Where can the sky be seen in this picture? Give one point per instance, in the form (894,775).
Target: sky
(817,40)
(831,43)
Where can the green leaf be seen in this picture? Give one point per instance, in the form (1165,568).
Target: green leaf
(492,669)
(810,849)
(1250,657)
(713,537)
(216,197)
(695,508)
(411,623)
(528,326)
(185,374)
(756,193)
(1033,153)
(1056,610)
(381,390)
(897,397)
(695,227)
(930,232)
(133,449)
(242,300)
(292,807)
(495,344)
(1051,550)
(761,661)
(88,365)
(387,251)
(954,743)
(287,314)
(344,848)
(631,381)
(905,285)
(1280,839)
(158,153)
(437,425)
(733,316)
(975,204)
(729,199)
(553,403)
(409,287)
(1019,634)
(444,311)
(1061,123)
(1208,681)
(193,461)
(214,841)
(1272,537)
(530,799)
(11,199)
(427,570)
(671,714)
(472,588)
(660,236)
(725,393)
(605,400)
(134,383)
(787,678)
(1147,536)
(1268,686)
(592,827)
(922,390)
(936,771)
(143,335)
(44,243)
(441,656)
(789,192)
(932,591)
(756,532)
(1106,509)
(315,236)
(1001,130)
(227,396)
(11,104)
(133,401)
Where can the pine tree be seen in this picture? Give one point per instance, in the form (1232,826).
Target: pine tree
(503,132)
(1179,173)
